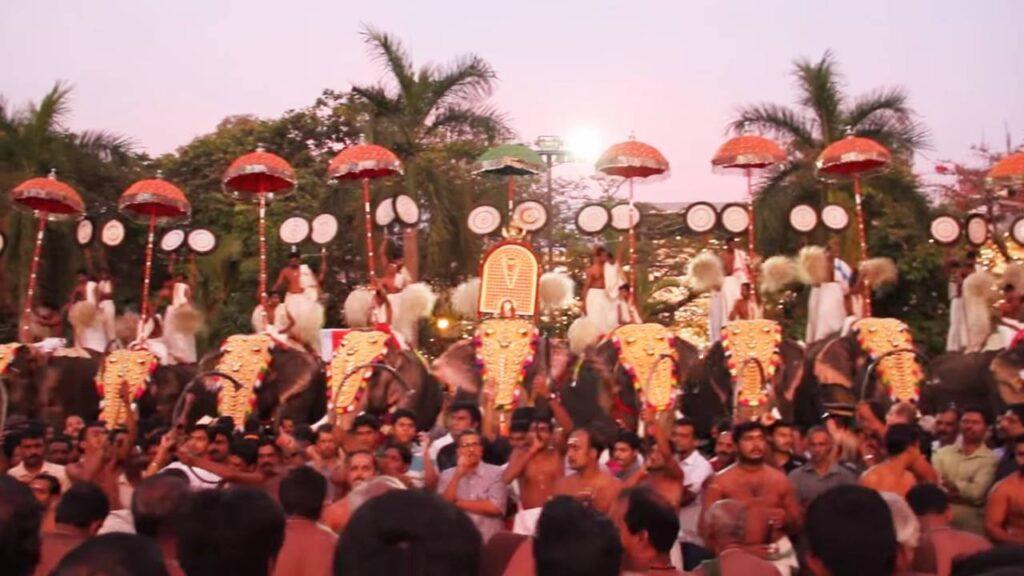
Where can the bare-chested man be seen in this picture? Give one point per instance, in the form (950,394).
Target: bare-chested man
(360,468)
(1004,511)
(289,277)
(539,464)
(773,510)
(588,482)
(895,474)
(600,298)
(661,471)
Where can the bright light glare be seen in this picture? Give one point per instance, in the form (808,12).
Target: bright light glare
(443,323)
(585,144)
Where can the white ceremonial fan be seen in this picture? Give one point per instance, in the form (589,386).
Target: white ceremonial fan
(530,216)
(803,218)
(1017,231)
(735,218)
(701,217)
(112,233)
(624,217)
(84,231)
(592,219)
(977,229)
(294,230)
(406,210)
(945,230)
(202,241)
(835,217)
(325,228)
(384,215)
(3,242)
(172,240)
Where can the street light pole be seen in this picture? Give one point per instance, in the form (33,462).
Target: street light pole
(551,149)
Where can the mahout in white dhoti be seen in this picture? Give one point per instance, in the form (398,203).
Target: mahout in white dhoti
(87,321)
(829,278)
(705,274)
(180,323)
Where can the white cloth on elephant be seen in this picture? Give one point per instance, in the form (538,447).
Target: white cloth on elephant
(307,316)
(1006,330)
(856,313)
(717,315)
(956,337)
(92,336)
(107,308)
(310,287)
(826,311)
(180,343)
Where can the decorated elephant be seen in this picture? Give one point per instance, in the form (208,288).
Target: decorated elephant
(49,386)
(877,360)
(369,371)
(751,371)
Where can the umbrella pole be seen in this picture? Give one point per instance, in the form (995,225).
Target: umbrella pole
(511,195)
(862,238)
(750,211)
(368,222)
(632,243)
(263,248)
(30,290)
(148,270)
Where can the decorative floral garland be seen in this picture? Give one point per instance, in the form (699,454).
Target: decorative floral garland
(747,344)
(8,352)
(246,358)
(642,351)
(900,373)
(135,367)
(355,348)
(505,349)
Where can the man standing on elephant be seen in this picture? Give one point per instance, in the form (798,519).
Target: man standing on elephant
(774,512)
(967,469)
(588,482)
(600,290)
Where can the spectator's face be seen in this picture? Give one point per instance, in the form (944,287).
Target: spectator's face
(404,431)
(542,430)
(623,454)
(32,452)
(1010,425)
(41,490)
(267,459)
(238,463)
(517,439)
(819,446)
(198,442)
(366,437)
(751,447)
(684,440)
(725,448)
(471,448)
(946,427)
(972,427)
(655,461)
(391,463)
(325,445)
(288,426)
(58,452)
(218,449)
(360,469)
(95,438)
(782,439)
(73,425)
(459,421)
(578,451)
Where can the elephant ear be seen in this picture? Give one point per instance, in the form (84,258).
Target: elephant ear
(792,370)
(835,363)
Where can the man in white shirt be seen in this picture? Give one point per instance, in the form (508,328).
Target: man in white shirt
(32,464)
(197,445)
(696,470)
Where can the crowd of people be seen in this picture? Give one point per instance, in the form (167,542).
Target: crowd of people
(879,492)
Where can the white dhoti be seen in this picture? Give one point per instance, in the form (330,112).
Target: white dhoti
(717,316)
(826,311)
(525,522)
(87,320)
(108,315)
(731,288)
(602,310)
(1006,330)
(785,557)
(179,334)
(956,337)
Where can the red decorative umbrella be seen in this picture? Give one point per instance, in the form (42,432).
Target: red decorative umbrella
(1008,172)
(851,158)
(154,201)
(258,177)
(747,154)
(630,160)
(363,162)
(49,199)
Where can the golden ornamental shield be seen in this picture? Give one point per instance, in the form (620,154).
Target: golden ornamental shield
(648,354)
(505,348)
(900,372)
(246,358)
(120,367)
(509,276)
(8,352)
(349,371)
(752,356)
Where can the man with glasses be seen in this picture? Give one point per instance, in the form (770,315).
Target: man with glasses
(474,486)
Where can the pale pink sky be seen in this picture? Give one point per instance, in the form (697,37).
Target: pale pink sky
(672,71)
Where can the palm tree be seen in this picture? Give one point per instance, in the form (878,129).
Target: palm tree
(35,139)
(825,114)
(428,115)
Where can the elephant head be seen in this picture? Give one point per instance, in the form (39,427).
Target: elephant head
(876,361)
(771,382)
(20,365)
(1008,370)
